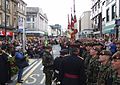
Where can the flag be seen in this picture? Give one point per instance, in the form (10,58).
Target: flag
(75,21)
(72,22)
(68,22)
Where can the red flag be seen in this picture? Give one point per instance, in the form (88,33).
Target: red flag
(72,22)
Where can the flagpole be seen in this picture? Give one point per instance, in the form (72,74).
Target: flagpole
(74,6)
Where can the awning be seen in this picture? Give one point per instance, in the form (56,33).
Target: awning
(109,29)
(34,32)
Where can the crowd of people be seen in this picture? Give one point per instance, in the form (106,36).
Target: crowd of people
(84,62)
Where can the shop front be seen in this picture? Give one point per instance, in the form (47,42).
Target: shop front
(109,31)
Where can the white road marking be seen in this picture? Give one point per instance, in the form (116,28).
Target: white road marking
(34,79)
(31,71)
(42,68)
(43,79)
(28,68)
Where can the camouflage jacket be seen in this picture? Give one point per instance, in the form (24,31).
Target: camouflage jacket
(115,79)
(47,60)
(105,74)
(92,70)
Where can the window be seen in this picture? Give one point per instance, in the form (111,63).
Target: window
(103,3)
(113,11)
(0,19)
(95,7)
(18,5)
(7,20)
(28,19)
(95,20)
(33,26)
(33,18)
(107,15)
(98,5)
(7,4)
(28,25)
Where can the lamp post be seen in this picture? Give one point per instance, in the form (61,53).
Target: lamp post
(5,21)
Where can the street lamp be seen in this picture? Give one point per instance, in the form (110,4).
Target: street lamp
(5,20)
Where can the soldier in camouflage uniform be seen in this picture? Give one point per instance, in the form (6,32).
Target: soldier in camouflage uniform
(116,66)
(118,45)
(47,61)
(93,67)
(86,54)
(105,71)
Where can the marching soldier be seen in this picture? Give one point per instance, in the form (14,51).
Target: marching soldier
(116,66)
(47,61)
(72,70)
(105,71)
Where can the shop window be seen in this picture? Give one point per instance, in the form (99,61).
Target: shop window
(113,11)
(107,15)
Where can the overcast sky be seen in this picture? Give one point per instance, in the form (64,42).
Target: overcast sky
(57,10)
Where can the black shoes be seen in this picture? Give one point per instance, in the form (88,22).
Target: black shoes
(21,81)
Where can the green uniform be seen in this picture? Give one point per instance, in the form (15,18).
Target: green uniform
(115,79)
(47,61)
(92,71)
(105,74)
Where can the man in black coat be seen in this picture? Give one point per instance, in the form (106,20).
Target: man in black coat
(72,70)
(57,64)
(4,72)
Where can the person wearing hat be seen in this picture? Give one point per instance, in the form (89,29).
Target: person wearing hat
(72,70)
(105,69)
(117,45)
(93,67)
(48,62)
(57,64)
(116,67)
(20,62)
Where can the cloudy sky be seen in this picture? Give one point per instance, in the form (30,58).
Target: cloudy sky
(57,10)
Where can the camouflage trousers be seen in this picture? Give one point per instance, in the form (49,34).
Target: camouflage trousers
(48,76)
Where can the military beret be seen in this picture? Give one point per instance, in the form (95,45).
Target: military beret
(116,55)
(105,52)
(96,49)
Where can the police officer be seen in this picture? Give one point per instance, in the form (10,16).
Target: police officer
(116,66)
(72,70)
(57,64)
(48,61)
(105,71)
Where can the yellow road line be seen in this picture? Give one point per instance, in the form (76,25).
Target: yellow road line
(30,72)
